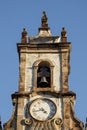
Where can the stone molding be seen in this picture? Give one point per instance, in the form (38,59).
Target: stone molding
(44,47)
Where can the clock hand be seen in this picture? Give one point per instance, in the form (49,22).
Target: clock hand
(36,110)
(40,109)
(43,110)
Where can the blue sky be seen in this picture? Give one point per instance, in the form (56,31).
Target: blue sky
(17,14)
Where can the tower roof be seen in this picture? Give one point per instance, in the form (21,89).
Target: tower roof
(44,34)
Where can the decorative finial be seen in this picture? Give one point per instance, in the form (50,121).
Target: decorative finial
(44,30)
(44,20)
(63,35)
(24,36)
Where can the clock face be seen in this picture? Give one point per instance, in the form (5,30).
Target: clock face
(42,109)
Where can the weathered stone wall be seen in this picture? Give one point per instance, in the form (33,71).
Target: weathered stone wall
(29,74)
(20,113)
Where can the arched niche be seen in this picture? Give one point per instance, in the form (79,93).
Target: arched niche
(43,71)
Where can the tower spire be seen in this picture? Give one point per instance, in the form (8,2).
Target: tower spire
(44,29)
(44,20)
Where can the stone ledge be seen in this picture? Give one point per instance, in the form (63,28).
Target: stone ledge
(56,94)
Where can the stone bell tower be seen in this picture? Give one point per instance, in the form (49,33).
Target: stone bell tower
(43,100)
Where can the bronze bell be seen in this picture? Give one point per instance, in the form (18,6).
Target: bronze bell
(43,82)
(43,79)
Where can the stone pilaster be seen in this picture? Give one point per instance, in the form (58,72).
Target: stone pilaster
(22,72)
(65,70)
(20,113)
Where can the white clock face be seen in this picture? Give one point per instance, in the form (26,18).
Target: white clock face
(42,109)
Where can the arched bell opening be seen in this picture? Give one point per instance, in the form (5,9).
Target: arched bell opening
(43,75)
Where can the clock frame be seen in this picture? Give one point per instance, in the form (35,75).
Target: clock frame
(42,109)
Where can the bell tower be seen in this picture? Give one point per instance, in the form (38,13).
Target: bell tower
(43,100)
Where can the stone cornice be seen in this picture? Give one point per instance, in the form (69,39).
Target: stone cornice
(47,47)
(56,94)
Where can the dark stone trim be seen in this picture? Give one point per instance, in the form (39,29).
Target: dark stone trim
(56,94)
